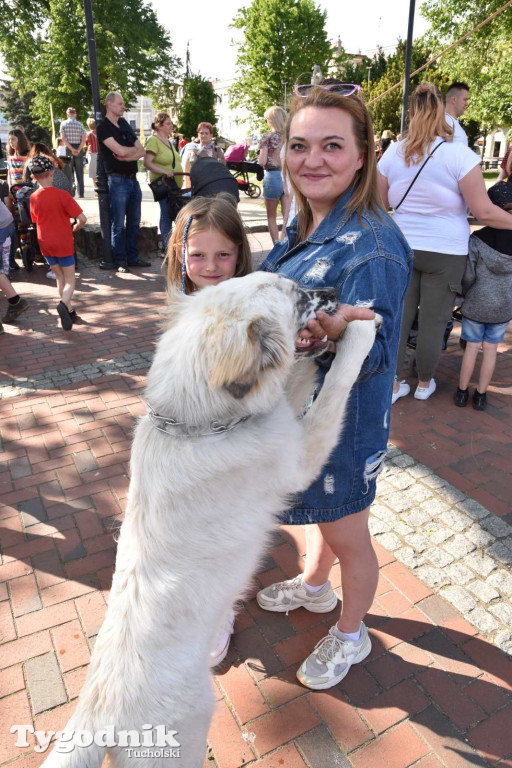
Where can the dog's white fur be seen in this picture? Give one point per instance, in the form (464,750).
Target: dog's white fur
(200,508)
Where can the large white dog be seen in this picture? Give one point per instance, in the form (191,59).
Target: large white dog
(213,462)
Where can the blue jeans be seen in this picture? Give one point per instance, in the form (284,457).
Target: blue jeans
(77,165)
(125,198)
(165,223)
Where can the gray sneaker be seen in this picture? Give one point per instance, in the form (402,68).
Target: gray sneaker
(13,310)
(332,658)
(285,596)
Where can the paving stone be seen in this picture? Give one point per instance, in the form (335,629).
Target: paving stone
(481,564)
(409,557)
(319,748)
(483,591)
(416,518)
(384,513)
(459,546)
(398,501)
(400,481)
(384,488)
(20,467)
(501,552)
(32,511)
(402,529)
(458,573)
(452,494)
(418,493)
(503,611)
(479,536)
(483,620)
(403,461)
(438,557)
(389,541)
(419,470)
(503,639)
(44,682)
(460,598)
(432,577)
(434,481)
(473,509)
(418,541)
(502,580)
(437,533)
(497,527)
(456,520)
(377,526)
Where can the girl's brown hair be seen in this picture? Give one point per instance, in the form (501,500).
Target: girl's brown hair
(365,195)
(426,121)
(38,148)
(23,147)
(207,213)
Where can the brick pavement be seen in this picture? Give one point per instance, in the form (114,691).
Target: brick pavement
(433,691)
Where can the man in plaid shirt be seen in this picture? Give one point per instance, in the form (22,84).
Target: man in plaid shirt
(73,135)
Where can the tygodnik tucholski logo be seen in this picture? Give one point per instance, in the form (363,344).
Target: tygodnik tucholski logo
(150,741)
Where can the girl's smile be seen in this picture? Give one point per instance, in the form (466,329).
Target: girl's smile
(211,258)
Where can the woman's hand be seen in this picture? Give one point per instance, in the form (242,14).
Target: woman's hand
(333,326)
(169,174)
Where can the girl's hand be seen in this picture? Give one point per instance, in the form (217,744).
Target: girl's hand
(333,326)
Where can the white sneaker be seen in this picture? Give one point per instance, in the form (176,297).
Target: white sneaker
(51,275)
(403,390)
(284,596)
(423,393)
(222,641)
(332,658)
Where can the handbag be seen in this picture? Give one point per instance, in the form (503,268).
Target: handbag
(160,185)
(501,193)
(420,170)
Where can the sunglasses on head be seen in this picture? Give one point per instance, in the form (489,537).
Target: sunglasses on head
(342,89)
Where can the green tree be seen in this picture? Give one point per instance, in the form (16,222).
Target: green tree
(198,105)
(18,110)
(482,60)
(45,46)
(283,39)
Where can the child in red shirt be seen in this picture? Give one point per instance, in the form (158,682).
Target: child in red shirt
(51,209)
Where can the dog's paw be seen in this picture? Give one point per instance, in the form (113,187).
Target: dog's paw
(378,321)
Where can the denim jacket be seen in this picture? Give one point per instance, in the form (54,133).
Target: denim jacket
(369,263)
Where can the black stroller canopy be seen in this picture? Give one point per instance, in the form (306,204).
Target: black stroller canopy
(208,178)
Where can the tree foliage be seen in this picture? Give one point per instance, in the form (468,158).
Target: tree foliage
(198,105)
(283,39)
(44,44)
(18,110)
(482,60)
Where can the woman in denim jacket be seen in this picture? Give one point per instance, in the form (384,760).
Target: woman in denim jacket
(343,239)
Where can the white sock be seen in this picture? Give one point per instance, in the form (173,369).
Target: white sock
(312,589)
(351,635)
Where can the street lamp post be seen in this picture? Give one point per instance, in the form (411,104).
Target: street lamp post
(102,183)
(407,73)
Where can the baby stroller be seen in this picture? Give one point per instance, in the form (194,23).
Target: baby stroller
(26,234)
(235,159)
(208,178)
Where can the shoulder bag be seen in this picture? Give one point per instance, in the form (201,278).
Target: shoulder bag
(160,186)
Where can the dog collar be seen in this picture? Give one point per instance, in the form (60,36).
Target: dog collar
(179,429)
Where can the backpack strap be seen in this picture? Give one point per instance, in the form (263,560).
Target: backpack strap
(420,170)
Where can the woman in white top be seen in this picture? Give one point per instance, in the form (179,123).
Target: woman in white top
(432,214)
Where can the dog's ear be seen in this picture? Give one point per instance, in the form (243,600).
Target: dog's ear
(242,352)
(175,301)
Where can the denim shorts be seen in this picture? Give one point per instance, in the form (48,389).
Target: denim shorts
(475,332)
(273,185)
(347,483)
(61,261)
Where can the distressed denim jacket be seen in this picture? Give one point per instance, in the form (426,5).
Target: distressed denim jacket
(369,263)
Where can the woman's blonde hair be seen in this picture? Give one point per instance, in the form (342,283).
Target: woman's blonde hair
(365,195)
(91,123)
(207,213)
(426,121)
(276,118)
(160,119)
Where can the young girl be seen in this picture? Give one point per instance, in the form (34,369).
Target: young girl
(209,245)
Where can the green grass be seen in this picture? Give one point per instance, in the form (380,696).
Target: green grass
(491,175)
